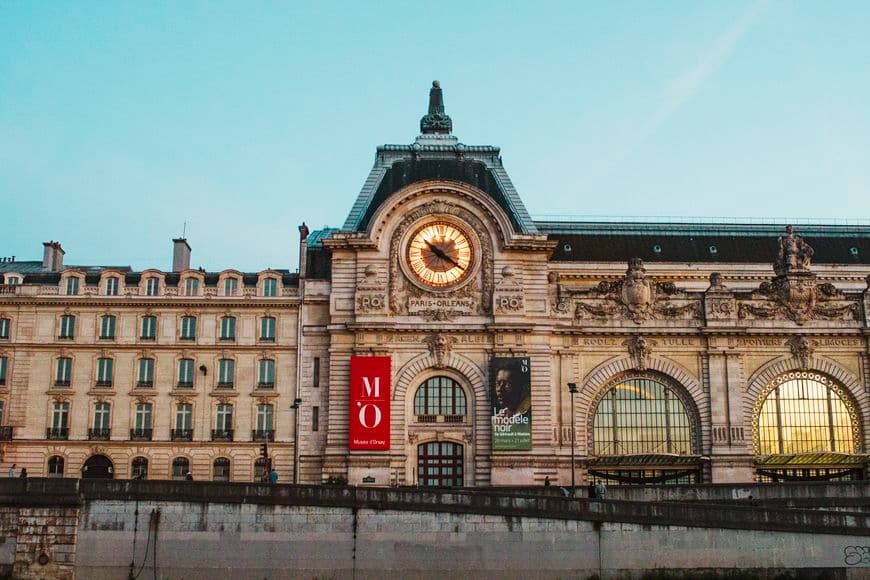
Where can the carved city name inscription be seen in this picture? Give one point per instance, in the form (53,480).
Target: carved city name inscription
(420,304)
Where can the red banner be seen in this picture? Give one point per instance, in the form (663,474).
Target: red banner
(369,421)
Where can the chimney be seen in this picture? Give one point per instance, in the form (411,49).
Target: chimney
(303,249)
(180,255)
(52,256)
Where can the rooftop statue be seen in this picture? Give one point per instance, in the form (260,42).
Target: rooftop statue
(794,254)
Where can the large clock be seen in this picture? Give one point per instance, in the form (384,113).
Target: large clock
(440,254)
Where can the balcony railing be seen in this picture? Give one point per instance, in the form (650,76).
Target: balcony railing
(104,383)
(440,418)
(266,385)
(145,384)
(427,418)
(140,434)
(225,385)
(61,383)
(57,433)
(181,434)
(6,433)
(263,435)
(221,434)
(99,434)
(185,384)
(454,418)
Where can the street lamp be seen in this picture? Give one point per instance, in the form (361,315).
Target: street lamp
(572,388)
(295,407)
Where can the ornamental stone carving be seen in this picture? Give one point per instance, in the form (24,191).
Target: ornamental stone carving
(802,349)
(794,292)
(371,297)
(719,303)
(508,296)
(440,347)
(639,349)
(638,297)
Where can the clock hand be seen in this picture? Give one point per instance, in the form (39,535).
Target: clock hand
(440,253)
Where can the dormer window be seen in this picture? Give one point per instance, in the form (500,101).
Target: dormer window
(191,287)
(13,280)
(72,286)
(112,286)
(231,286)
(152,286)
(270,287)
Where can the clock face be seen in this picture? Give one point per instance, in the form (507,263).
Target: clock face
(440,254)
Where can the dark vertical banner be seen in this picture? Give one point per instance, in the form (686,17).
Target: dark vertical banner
(369,420)
(511,398)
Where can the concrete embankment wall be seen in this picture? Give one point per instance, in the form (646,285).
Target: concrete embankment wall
(251,531)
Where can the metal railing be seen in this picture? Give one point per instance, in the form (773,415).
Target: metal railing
(140,434)
(99,434)
(263,435)
(57,433)
(221,434)
(181,434)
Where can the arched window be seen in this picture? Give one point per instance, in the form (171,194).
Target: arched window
(439,396)
(180,468)
(261,469)
(805,412)
(139,468)
(642,432)
(641,415)
(221,469)
(55,466)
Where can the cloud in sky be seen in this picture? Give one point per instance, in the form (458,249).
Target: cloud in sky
(688,84)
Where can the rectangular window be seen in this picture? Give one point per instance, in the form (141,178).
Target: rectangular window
(111,286)
(185,372)
(104,372)
(267,329)
(188,328)
(64,372)
(107,327)
(152,285)
(315,418)
(4,328)
(267,373)
(315,380)
(231,286)
(270,287)
(4,361)
(149,327)
(72,286)
(183,417)
(265,414)
(143,418)
(67,326)
(2,411)
(13,280)
(224,418)
(101,416)
(228,328)
(60,416)
(191,287)
(146,372)
(226,372)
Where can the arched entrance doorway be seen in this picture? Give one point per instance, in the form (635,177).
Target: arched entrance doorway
(440,464)
(98,467)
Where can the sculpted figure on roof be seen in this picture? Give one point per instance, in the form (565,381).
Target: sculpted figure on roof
(794,254)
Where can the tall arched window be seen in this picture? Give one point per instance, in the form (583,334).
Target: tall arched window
(643,432)
(180,468)
(55,466)
(439,396)
(805,412)
(805,428)
(139,468)
(221,469)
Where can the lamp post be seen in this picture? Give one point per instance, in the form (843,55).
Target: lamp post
(295,408)
(572,388)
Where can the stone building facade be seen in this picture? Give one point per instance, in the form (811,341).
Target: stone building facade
(665,352)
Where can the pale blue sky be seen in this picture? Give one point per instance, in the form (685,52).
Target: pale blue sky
(121,120)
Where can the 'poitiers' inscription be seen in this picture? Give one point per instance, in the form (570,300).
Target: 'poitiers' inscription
(761,342)
(429,303)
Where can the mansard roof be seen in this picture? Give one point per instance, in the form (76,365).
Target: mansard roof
(437,154)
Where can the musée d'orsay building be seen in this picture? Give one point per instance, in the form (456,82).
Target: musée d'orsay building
(443,337)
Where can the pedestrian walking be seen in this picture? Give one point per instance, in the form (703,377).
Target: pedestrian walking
(600,490)
(12,470)
(547,481)
(23,474)
(188,476)
(273,477)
